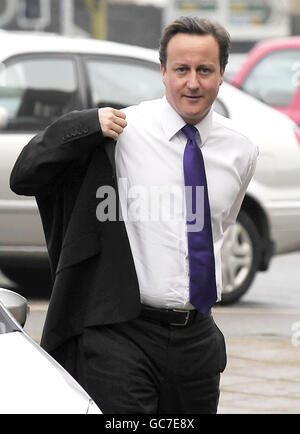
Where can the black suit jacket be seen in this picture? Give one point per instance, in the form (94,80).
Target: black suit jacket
(95,280)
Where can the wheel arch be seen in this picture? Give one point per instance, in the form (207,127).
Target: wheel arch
(258,215)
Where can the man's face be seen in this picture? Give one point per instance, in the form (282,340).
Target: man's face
(192,75)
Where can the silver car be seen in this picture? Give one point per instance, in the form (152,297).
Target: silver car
(45,76)
(31,381)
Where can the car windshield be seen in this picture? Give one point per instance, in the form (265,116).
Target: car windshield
(6,323)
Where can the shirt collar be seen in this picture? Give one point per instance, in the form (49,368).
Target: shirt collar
(172,122)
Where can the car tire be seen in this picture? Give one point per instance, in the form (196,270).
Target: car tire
(241,253)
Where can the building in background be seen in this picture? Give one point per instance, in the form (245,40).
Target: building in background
(246,20)
(140,22)
(121,21)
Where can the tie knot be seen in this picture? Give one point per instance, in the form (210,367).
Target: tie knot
(190,131)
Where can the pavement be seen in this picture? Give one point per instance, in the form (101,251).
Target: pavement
(262,375)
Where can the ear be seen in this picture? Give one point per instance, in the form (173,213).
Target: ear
(222,77)
(163,73)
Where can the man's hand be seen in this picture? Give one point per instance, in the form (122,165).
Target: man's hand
(112,122)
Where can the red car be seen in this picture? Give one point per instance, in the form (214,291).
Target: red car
(271,73)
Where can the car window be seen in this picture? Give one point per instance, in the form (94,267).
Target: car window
(120,83)
(274,79)
(36,90)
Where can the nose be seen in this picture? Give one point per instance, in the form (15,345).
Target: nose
(192,82)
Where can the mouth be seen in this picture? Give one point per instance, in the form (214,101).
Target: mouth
(193,97)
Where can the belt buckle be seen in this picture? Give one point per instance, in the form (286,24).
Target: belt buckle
(186,318)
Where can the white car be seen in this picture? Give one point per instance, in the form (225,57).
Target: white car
(45,76)
(31,381)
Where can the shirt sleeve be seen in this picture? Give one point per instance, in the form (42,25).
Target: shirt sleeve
(234,210)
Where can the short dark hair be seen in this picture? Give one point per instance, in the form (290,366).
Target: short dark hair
(196,26)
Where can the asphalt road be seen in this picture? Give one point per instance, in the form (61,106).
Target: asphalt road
(272,305)
(270,308)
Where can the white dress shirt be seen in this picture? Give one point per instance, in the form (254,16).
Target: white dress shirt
(149,162)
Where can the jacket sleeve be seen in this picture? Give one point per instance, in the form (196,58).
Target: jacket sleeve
(67,142)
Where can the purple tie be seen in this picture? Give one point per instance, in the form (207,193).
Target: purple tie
(203,293)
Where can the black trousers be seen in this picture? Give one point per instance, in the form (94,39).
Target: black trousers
(146,367)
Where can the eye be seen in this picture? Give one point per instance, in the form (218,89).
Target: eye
(181,69)
(204,70)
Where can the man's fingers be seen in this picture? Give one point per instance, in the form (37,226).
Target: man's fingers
(120,121)
(112,122)
(114,131)
(112,134)
(118,128)
(115,127)
(118,113)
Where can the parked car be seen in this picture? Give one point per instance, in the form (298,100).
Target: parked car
(235,61)
(43,77)
(271,73)
(31,381)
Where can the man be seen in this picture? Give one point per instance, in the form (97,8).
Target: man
(130,313)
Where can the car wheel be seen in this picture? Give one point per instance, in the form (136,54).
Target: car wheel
(240,258)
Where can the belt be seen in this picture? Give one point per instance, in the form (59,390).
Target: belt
(173,317)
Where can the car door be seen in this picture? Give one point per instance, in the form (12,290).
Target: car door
(34,90)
